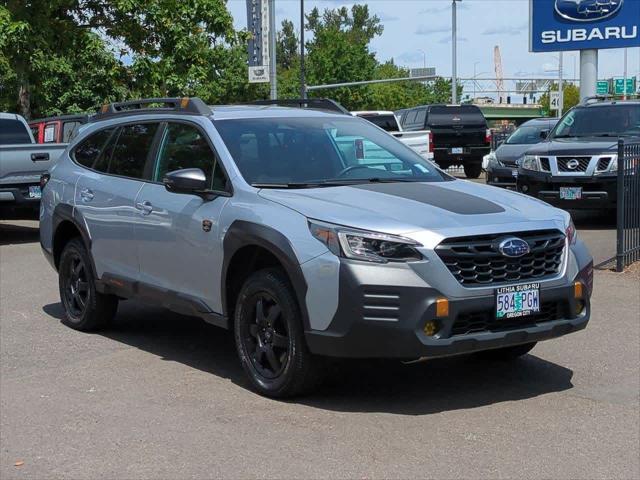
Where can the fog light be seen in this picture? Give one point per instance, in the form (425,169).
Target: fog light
(442,307)
(578,290)
(431,328)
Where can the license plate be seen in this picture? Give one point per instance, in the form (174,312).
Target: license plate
(570,193)
(457,150)
(518,301)
(35,192)
(514,173)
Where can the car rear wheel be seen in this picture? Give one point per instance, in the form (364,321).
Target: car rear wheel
(85,309)
(507,353)
(270,337)
(472,170)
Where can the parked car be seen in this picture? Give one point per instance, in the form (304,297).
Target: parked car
(502,164)
(420,141)
(266,221)
(22,162)
(459,132)
(576,167)
(60,129)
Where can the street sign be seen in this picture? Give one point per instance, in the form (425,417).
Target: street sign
(602,87)
(619,86)
(258,45)
(559,25)
(554,101)
(422,72)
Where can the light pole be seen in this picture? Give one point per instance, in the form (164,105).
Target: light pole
(560,87)
(424,57)
(475,64)
(303,88)
(454,51)
(273,78)
(625,75)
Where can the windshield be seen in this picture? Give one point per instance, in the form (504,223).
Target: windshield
(527,135)
(386,122)
(456,114)
(306,152)
(601,121)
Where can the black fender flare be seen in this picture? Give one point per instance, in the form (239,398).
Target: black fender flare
(242,234)
(67,213)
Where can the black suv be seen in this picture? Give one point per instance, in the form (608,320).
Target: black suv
(576,167)
(460,134)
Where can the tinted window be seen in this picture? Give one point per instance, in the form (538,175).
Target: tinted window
(605,121)
(386,122)
(421,116)
(184,146)
(13,132)
(88,152)
(132,150)
(70,130)
(315,150)
(459,114)
(527,135)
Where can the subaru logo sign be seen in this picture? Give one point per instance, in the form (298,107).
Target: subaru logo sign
(587,10)
(513,247)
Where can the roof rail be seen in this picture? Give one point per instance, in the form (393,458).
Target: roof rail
(193,105)
(313,103)
(595,99)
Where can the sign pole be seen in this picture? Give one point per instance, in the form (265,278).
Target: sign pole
(272,50)
(588,73)
(454,51)
(625,74)
(303,81)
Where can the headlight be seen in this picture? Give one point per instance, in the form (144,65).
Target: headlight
(531,162)
(571,233)
(613,166)
(364,245)
(492,160)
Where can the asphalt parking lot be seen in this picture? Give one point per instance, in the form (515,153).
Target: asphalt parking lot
(158,395)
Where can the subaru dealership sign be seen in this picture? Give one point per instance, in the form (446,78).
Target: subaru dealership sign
(583,24)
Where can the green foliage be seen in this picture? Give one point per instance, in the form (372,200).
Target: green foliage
(571,97)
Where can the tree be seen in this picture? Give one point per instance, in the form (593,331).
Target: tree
(571,97)
(287,46)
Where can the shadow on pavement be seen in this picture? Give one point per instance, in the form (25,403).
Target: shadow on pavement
(352,386)
(11,234)
(593,219)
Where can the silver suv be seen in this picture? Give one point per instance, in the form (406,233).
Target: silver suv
(311,234)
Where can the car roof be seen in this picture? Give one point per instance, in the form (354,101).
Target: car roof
(72,116)
(228,112)
(608,103)
(542,120)
(9,116)
(372,112)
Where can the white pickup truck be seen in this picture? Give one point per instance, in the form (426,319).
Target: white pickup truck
(22,162)
(419,141)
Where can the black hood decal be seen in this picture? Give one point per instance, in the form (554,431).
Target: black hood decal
(450,200)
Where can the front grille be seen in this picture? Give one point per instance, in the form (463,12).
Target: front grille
(544,163)
(603,164)
(486,321)
(477,261)
(583,164)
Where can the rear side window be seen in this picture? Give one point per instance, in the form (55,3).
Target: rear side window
(13,132)
(131,151)
(421,117)
(386,122)
(90,150)
(69,131)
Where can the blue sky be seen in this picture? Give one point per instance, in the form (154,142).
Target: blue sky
(414,25)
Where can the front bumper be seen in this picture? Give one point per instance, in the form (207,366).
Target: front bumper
(377,319)
(501,176)
(598,192)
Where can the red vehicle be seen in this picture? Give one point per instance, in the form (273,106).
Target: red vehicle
(57,129)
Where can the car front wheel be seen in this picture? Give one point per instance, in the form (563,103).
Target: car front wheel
(270,337)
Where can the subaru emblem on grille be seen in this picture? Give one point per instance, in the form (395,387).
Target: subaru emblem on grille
(513,247)
(573,164)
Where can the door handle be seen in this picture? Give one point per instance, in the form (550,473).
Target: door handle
(86,195)
(39,157)
(145,207)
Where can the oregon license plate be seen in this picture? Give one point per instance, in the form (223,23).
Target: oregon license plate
(570,193)
(518,301)
(457,150)
(35,192)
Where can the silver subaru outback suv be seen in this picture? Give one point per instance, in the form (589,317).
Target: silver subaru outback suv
(311,234)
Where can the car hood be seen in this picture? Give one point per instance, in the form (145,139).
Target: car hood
(449,208)
(508,154)
(575,146)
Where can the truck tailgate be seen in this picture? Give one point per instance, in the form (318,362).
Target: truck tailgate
(418,141)
(21,164)
(459,136)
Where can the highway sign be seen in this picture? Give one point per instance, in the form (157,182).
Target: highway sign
(602,87)
(619,86)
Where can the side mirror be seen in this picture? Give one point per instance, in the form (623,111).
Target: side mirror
(544,134)
(188,180)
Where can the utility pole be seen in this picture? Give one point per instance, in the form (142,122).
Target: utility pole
(454,51)
(273,78)
(303,87)
(560,86)
(588,73)
(625,74)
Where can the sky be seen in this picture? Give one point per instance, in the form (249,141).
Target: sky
(412,27)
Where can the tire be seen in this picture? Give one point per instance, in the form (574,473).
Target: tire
(507,353)
(269,337)
(85,309)
(472,170)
